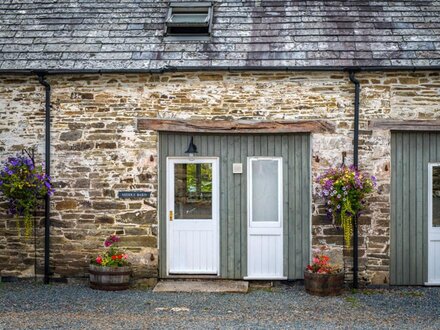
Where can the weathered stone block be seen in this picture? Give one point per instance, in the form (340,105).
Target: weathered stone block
(105,220)
(137,240)
(66,204)
(81,183)
(108,205)
(80,146)
(106,145)
(139,217)
(71,136)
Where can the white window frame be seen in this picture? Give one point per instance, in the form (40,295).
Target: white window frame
(431,229)
(265,224)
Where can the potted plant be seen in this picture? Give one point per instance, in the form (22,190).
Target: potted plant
(321,278)
(24,185)
(110,270)
(344,190)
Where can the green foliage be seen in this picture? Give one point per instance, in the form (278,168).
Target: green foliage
(344,190)
(113,257)
(24,185)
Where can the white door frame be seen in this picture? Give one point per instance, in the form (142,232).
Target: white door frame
(269,228)
(433,232)
(170,161)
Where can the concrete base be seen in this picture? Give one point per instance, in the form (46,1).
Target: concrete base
(220,286)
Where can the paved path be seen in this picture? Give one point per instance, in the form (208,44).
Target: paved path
(26,305)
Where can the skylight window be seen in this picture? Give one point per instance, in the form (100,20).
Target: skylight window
(189,19)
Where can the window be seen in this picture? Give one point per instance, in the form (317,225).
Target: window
(193,191)
(189,19)
(265,190)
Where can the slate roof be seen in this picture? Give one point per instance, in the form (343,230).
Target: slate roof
(129,34)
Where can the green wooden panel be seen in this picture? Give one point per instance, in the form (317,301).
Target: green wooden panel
(306,156)
(295,150)
(163,148)
(411,152)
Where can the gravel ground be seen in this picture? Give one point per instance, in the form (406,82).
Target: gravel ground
(26,305)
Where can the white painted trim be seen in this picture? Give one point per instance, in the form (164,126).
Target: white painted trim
(279,223)
(311,198)
(431,230)
(271,226)
(191,272)
(170,161)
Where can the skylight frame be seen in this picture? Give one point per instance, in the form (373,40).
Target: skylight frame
(189,8)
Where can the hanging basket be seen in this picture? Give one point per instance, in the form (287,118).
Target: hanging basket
(109,278)
(324,284)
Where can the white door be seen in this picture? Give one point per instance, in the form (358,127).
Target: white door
(265,218)
(193,215)
(434,224)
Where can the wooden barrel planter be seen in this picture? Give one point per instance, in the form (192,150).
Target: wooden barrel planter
(109,278)
(324,284)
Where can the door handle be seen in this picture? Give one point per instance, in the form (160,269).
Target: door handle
(171,215)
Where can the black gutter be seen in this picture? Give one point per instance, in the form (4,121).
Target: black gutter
(42,80)
(225,68)
(356,164)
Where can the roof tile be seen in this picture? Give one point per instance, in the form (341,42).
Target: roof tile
(102,34)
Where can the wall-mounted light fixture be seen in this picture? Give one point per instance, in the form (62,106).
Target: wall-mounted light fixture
(192,148)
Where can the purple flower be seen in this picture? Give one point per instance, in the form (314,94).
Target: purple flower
(339,196)
(328,184)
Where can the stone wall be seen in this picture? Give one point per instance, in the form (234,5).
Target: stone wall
(97,150)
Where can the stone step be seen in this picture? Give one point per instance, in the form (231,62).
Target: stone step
(219,286)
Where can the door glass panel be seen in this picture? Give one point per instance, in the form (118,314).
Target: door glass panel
(193,191)
(265,190)
(436,196)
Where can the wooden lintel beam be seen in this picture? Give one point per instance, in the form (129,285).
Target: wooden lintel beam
(237,127)
(404,125)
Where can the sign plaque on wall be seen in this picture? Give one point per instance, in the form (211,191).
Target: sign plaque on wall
(134,194)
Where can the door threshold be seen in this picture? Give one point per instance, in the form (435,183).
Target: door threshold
(207,286)
(263,278)
(192,277)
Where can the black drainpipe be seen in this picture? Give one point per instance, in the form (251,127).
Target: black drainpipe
(356,164)
(42,80)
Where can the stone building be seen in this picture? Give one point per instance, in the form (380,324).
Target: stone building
(263,90)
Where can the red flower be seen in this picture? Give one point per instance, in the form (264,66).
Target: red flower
(113,257)
(99,259)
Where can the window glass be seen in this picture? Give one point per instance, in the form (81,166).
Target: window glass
(193,191)
(189,21)
(265,190)
(189,18)
(436,196)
